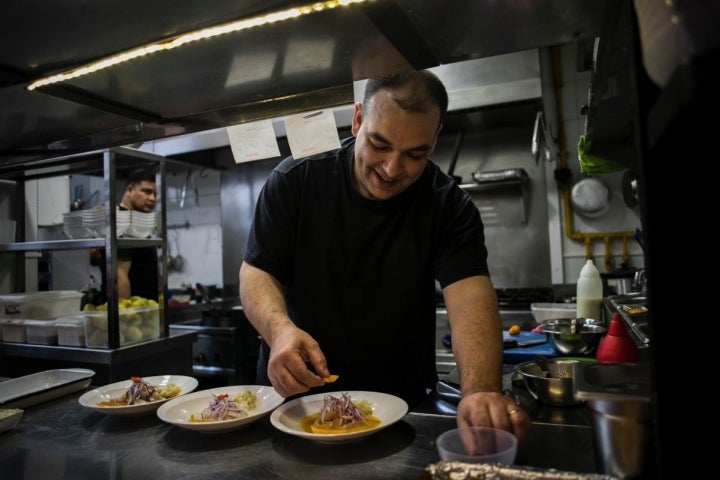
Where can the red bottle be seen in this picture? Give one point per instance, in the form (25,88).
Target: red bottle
(617,346)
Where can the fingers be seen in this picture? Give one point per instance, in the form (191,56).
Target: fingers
(493,410)
(288,365)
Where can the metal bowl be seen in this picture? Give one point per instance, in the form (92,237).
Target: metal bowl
(558,390)
(574,336)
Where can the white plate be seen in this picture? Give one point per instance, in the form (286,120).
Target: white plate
(178,410)
(9,417)
(91,398)
(38,387)
(388,408)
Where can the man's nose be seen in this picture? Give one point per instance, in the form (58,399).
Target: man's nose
(393,164)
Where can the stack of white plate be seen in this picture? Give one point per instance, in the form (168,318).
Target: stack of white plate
(94,219)
(122,222)
(73,226)
(142,224)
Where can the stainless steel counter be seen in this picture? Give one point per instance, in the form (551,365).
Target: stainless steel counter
(61,440)
(152,357)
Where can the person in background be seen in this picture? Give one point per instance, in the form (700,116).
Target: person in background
(341,261)
(137,268)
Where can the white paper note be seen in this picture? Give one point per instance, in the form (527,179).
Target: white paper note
(253,141)
(310,133)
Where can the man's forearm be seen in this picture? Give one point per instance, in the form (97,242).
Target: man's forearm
(476,334)
(262,301)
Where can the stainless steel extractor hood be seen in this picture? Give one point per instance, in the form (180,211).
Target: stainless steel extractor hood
(263,72)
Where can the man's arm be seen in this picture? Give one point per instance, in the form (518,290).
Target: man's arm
(123,278)
(262,301)
(290,347)
(477,345)
(476,333)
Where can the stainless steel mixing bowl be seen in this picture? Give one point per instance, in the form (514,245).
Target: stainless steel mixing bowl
(558,389)
(574,336)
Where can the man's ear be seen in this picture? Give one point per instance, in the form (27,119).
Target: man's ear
(356,119)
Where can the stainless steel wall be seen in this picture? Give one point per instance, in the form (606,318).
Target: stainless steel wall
(519,253)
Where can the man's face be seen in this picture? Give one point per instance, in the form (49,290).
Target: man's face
(392,146)
(143,196)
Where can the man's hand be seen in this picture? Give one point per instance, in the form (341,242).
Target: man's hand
(493,409)
(290,352)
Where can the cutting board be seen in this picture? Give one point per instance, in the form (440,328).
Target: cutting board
(523,354)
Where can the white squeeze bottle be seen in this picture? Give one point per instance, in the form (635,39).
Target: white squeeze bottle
(589,292)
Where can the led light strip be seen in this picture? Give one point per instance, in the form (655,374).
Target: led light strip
(191,37)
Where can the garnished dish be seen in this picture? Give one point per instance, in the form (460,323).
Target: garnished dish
(141,391)
(221,409)
(341,415)
(9,417)
(338,417)
(138,395)
(224,407)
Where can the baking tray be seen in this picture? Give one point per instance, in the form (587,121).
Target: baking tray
(39,387)
(446,470)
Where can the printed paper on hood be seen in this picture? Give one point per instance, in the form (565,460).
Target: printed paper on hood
(310,133)
(253,141)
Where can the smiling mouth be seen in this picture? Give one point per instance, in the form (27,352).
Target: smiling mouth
(383,182)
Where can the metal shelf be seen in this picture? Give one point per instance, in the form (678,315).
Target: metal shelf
(105,163)
(514,179)
(79,244)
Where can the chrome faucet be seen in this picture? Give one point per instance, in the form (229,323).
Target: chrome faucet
(640,281)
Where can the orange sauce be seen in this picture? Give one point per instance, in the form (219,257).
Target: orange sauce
(112,403)
(307,424)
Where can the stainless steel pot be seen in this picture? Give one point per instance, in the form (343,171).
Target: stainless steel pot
(590,197)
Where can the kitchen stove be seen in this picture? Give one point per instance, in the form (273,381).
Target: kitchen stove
(226,349)
(514,305)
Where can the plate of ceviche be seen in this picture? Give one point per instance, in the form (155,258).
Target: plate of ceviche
(339,417)
(137,395)
(221,409)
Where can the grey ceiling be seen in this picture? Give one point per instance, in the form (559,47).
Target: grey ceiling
(258,73)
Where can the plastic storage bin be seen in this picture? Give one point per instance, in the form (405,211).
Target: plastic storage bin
(136,325)
(548,311)
(71,331)
(14,330)
(41,332)
(40,305)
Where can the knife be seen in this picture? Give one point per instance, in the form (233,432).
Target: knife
(510,343)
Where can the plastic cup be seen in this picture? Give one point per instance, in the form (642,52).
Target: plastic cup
(477,445)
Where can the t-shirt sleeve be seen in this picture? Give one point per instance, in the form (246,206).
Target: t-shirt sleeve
(270,244)
(461,244)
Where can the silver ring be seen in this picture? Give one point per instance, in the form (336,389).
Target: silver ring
(511,412)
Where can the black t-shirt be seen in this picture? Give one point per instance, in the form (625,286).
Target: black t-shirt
(143,270)
(358,274)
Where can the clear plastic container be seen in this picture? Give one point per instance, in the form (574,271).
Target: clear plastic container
(549,311)
(71,331)
(40,304)
(136,325)
(14,330)
(42,332)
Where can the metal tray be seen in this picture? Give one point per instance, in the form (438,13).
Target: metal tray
(39,387)
(479,471)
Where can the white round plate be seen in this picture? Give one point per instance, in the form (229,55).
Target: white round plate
(388,408)
(178,410)
(91,398)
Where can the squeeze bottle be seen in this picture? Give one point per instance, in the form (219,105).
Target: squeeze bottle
(617,346)
(589,292)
